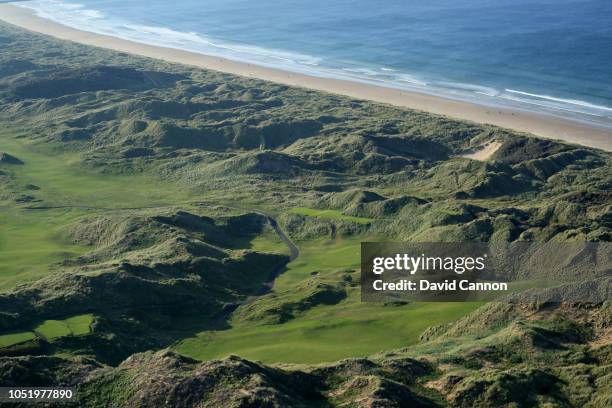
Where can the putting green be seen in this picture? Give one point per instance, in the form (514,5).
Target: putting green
(52,329)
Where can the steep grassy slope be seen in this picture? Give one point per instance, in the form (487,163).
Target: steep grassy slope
(209,215)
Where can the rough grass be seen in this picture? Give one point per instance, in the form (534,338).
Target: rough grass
(332,214)
(110,150)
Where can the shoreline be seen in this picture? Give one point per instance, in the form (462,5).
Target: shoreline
(538,124)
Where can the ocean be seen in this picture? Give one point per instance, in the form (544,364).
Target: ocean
(553,56)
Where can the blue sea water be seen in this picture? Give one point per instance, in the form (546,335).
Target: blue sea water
(548,55)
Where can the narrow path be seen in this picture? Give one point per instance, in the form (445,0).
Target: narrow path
(294,251)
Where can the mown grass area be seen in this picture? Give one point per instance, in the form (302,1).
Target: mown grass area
(15,338)
(330,332)
(321,256)
(73,326)
(52,329)
(333,214)
(62,181)
(268,242)
(33,241)
(327,333)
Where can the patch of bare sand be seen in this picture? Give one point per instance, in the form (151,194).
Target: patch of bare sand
(484,152)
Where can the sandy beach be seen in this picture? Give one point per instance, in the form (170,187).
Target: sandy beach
(539,124)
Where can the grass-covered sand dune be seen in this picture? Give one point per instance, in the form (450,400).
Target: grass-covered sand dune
(156,216)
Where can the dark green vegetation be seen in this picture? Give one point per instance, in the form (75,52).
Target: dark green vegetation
(500,355)
(148,206)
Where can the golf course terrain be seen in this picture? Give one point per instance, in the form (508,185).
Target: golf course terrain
(171,236)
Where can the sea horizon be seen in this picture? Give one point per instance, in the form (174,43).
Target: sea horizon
(293,203)
(219,35)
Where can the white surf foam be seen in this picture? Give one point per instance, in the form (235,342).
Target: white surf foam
(81,17)
(561,100)
(548,106)
(77,16)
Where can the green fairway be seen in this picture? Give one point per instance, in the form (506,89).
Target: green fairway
(333,214)
(268,242)
(15,338)
(32,243)
(322,256)
(327,333)
(63,182)
(321,334)
(73,326)
(52,329)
